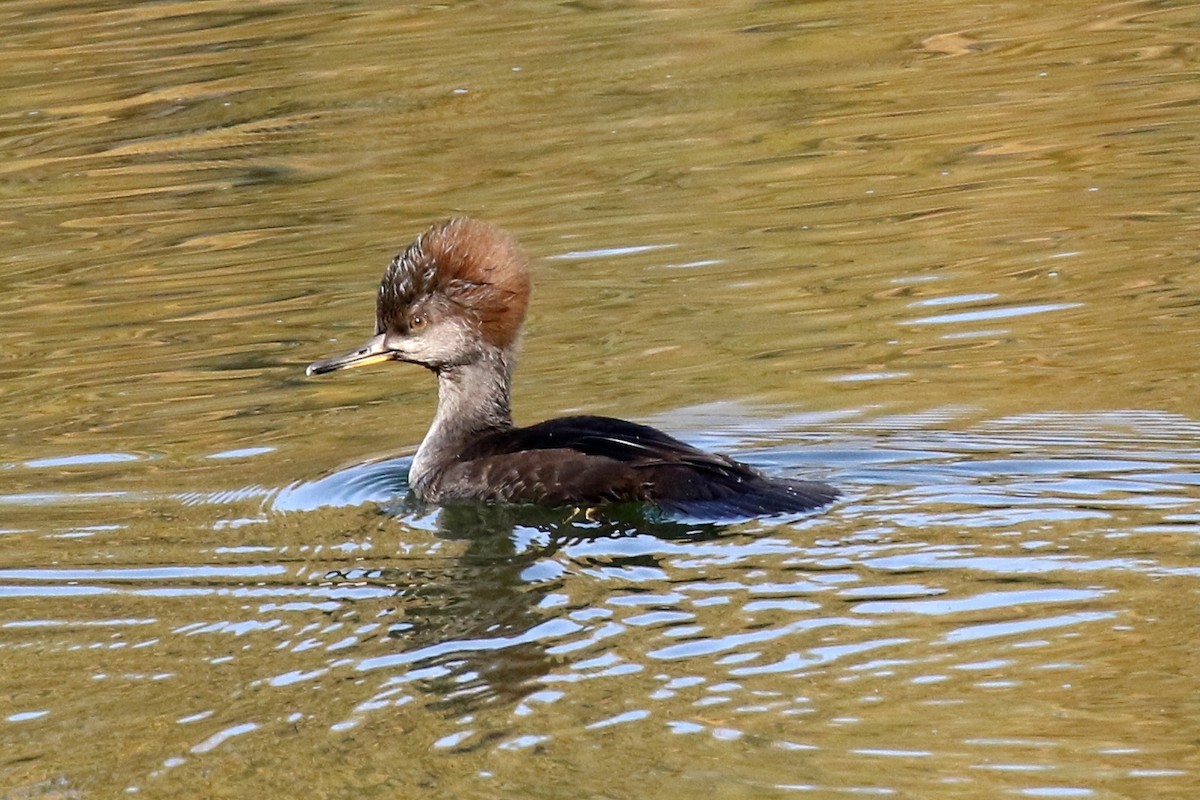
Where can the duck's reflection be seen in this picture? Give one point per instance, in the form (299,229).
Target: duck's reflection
(486,626)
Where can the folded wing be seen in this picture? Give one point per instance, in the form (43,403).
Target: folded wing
(593,460)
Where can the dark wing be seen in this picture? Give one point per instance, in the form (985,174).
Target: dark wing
(606,437)
(585,460)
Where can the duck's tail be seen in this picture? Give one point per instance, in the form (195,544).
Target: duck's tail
(751,495)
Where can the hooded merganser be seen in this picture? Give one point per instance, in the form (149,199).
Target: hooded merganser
(454,302)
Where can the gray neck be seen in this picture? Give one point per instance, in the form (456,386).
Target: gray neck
(473,399)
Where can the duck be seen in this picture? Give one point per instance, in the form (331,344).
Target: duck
(454,301)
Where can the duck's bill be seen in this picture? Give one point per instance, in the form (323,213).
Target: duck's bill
(373,352)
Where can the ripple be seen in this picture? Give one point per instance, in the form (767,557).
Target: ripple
(376,481)
(82,460)
(985,315)
(220,737)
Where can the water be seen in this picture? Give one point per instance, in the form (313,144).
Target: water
(938,255)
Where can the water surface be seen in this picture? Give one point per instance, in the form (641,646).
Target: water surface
(941,256)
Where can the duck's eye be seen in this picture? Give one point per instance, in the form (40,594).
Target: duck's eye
(417,322)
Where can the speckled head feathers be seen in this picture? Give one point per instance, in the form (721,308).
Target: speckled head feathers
(472,267)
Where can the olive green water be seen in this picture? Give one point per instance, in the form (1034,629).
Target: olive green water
(941,255)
